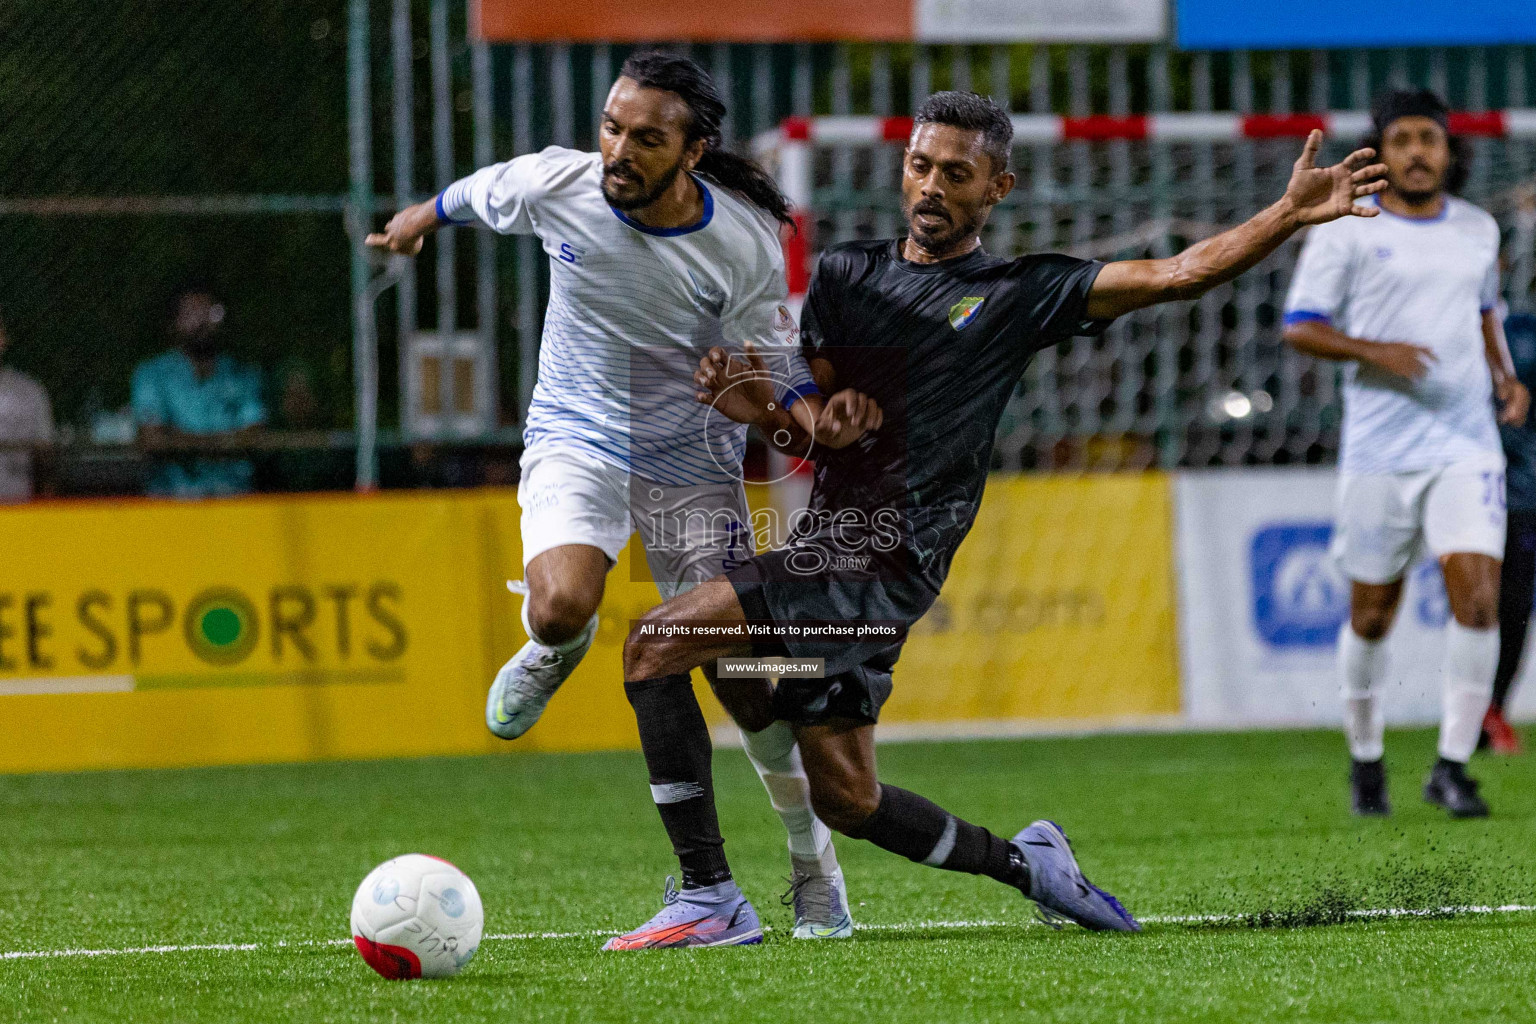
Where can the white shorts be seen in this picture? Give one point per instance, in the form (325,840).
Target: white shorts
(1382,520)
(690,534)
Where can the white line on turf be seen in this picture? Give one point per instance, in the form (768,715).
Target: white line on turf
(903,926)
(31,954)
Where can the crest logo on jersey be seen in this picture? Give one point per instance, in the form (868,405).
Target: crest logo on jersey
(1383,253)
(706,296)
(785,330)
(964,311)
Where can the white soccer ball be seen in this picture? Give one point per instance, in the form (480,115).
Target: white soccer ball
(417,917)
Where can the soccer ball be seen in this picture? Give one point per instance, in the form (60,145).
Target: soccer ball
(417,917)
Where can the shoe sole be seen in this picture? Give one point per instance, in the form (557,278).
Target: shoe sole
(1458,815)
(843,930)
(1125,915)
(752,938)
(1381,810)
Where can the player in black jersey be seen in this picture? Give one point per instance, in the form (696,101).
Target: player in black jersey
(920,341)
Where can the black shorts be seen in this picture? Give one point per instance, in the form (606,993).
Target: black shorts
(858,672)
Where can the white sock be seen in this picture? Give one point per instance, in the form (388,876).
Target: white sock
(563,648)
(777,759)
(1471,656)
(1362,664)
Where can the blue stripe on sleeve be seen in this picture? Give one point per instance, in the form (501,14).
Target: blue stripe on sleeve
(442,213)
(1305,316)
(794,394)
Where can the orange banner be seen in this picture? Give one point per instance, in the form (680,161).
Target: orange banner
(739,21)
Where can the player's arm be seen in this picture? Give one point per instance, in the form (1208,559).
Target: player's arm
(1320,339)
(495,196)
(742,389)
(1514,399)
(1315,195)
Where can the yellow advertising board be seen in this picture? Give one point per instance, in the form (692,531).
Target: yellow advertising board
(1059,607)
(140,634)
(149,633)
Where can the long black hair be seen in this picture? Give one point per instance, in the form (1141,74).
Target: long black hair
(672,73)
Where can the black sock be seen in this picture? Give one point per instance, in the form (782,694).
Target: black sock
(922,831)
(677,753)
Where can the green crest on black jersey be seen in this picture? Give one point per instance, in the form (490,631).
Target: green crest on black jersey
(964,311)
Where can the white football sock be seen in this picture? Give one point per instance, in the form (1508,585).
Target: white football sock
(776,757)
(1362,665)
(1471,656)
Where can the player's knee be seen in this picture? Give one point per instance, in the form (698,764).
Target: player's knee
(1370,622)
(558,615)
(1480,609)
(636,661)
(842,802)
(646,657)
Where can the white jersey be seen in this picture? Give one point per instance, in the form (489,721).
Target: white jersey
(1421,281)
(26,416)
(631,311)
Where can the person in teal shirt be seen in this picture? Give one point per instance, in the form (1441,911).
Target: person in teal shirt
(191,394)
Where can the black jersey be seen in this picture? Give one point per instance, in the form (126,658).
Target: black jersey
(941,347)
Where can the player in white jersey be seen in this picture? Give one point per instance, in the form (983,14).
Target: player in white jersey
(1407,299)
(660,246)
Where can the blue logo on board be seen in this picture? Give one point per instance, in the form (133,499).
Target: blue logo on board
(1432,606)
(1300,599)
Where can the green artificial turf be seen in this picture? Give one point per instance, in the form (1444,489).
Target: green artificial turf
(1254,826)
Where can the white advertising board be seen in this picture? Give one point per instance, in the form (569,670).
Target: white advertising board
(1064,21)
(1261,603)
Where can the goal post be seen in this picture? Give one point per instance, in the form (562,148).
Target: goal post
(1198,384)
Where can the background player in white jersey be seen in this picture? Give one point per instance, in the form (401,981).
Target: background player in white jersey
(1407,298)
(661,246)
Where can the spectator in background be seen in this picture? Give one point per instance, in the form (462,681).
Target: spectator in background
(1518,576)
(26,417)
(197,398)
(309,464)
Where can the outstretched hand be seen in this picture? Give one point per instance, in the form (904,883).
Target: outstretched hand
(1320,194)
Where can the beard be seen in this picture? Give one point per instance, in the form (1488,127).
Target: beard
(1417,196)
(632,194)
(942,238)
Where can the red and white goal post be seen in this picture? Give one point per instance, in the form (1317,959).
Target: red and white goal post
(794,142)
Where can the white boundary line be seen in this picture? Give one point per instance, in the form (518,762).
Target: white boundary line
(906,926)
